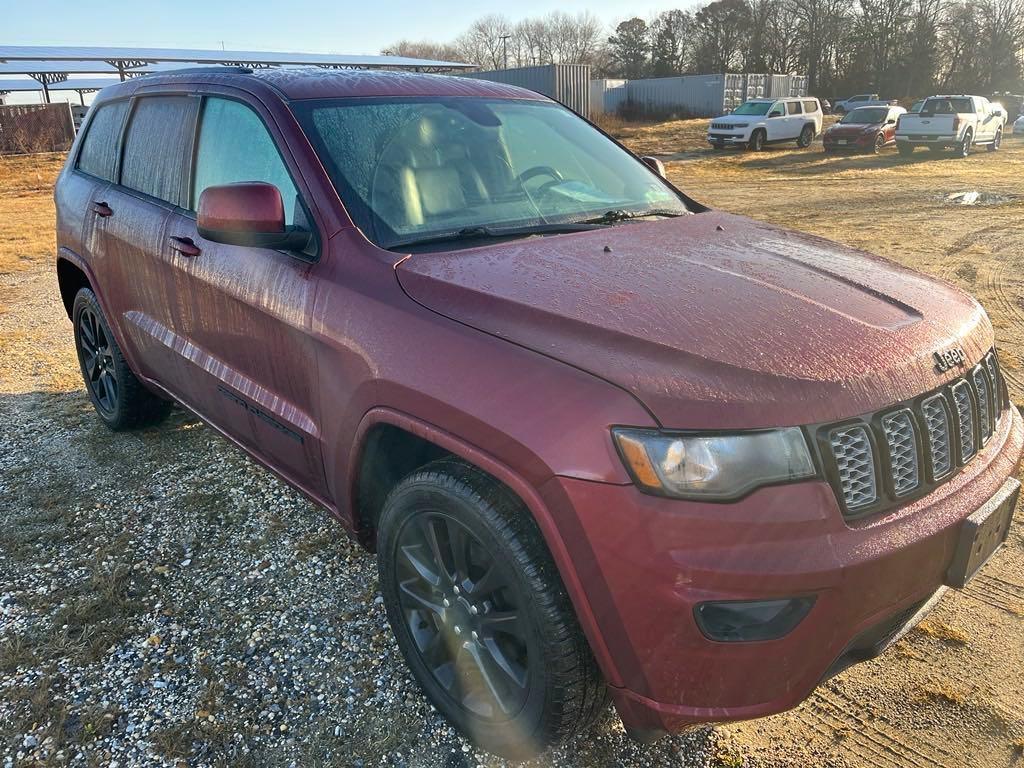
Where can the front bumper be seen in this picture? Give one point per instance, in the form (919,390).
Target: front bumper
(647,562)
(718,139)
(853,143)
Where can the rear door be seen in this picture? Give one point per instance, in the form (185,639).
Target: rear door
(150,184)
(244,313)
(794,119)
(81,196)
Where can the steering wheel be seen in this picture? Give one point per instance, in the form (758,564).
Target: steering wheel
(540,170)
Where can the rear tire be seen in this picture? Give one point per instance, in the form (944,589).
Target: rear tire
(905,150)
(806,137)
(480,614)
(120,399)
(963,149)
(757,138)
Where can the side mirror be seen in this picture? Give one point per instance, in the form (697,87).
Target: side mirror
(654,164)
(247,213)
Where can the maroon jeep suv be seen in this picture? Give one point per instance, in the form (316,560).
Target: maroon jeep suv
(605,442)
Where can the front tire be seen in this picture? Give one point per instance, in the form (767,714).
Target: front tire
(879,144)
(997,141)
(118,396)
(480,613)
(756,143)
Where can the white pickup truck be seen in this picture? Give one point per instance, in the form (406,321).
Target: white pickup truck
(959,121)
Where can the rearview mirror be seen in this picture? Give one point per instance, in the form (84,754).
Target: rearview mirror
(247,213)
(654,164)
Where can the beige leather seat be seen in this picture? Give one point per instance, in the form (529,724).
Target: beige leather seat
(432,177)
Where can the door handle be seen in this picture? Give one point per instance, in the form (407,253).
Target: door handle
(184,246)
(102,209)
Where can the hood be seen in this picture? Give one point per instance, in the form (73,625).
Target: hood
(712,320)
(852,129)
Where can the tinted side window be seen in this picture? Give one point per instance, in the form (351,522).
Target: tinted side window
(810,106)
(234,146)
(156,146)
(793,108)
(99,147)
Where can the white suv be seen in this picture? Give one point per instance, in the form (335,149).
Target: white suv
(758,122)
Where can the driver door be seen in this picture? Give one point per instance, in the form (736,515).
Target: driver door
(775,122)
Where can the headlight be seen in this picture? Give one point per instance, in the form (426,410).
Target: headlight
(741,125)
(712,467)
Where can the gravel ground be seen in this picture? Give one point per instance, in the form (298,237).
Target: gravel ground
(164,601)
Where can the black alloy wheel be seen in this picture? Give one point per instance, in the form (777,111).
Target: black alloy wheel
(463,615)
(97,361)
(806,137)
(879,143)
(120,399)
(480,613)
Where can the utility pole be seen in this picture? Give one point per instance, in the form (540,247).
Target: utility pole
(504,48)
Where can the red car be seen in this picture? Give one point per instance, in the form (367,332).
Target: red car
(605,441)
(865,129)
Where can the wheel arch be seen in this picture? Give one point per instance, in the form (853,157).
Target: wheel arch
(376,432)
(71,278)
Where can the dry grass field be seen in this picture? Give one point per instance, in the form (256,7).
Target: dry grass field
(136,625)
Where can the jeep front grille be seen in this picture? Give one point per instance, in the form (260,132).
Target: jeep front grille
(883,458)
(936,418)
(856,464)
(901,437)
(965,417)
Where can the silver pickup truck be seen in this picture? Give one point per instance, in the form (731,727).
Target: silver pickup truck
(959,122)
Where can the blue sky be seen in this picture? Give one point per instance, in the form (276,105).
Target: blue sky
(315,26)
(296,25)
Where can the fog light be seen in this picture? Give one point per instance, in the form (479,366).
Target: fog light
(737,621)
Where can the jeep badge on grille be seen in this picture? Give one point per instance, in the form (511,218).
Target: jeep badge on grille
(949,359)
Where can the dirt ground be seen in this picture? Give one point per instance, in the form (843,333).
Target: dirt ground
(124,636)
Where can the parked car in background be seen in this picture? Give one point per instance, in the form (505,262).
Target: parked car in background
(959,121)
(606,443)
(842,106)
(78,113)
(916,106)
(759,122)
(826,106)
(1018,127)
(865,129)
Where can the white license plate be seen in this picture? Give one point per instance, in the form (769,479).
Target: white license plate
(840,141)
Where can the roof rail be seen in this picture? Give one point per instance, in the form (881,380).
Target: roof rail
(215,70)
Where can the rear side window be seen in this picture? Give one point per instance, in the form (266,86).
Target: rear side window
(99,147)
(234,146)
(156,147)
(810,106)
(793,108)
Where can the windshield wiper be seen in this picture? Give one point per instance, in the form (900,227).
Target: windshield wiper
(483,233)
(616,215)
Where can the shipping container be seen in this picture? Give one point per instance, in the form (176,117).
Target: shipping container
(689,95)
(565,83)
(755,86)
(777,86)
(607,96)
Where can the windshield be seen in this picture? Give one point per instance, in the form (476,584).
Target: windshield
(411,170)
(753,108)
(865,116)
